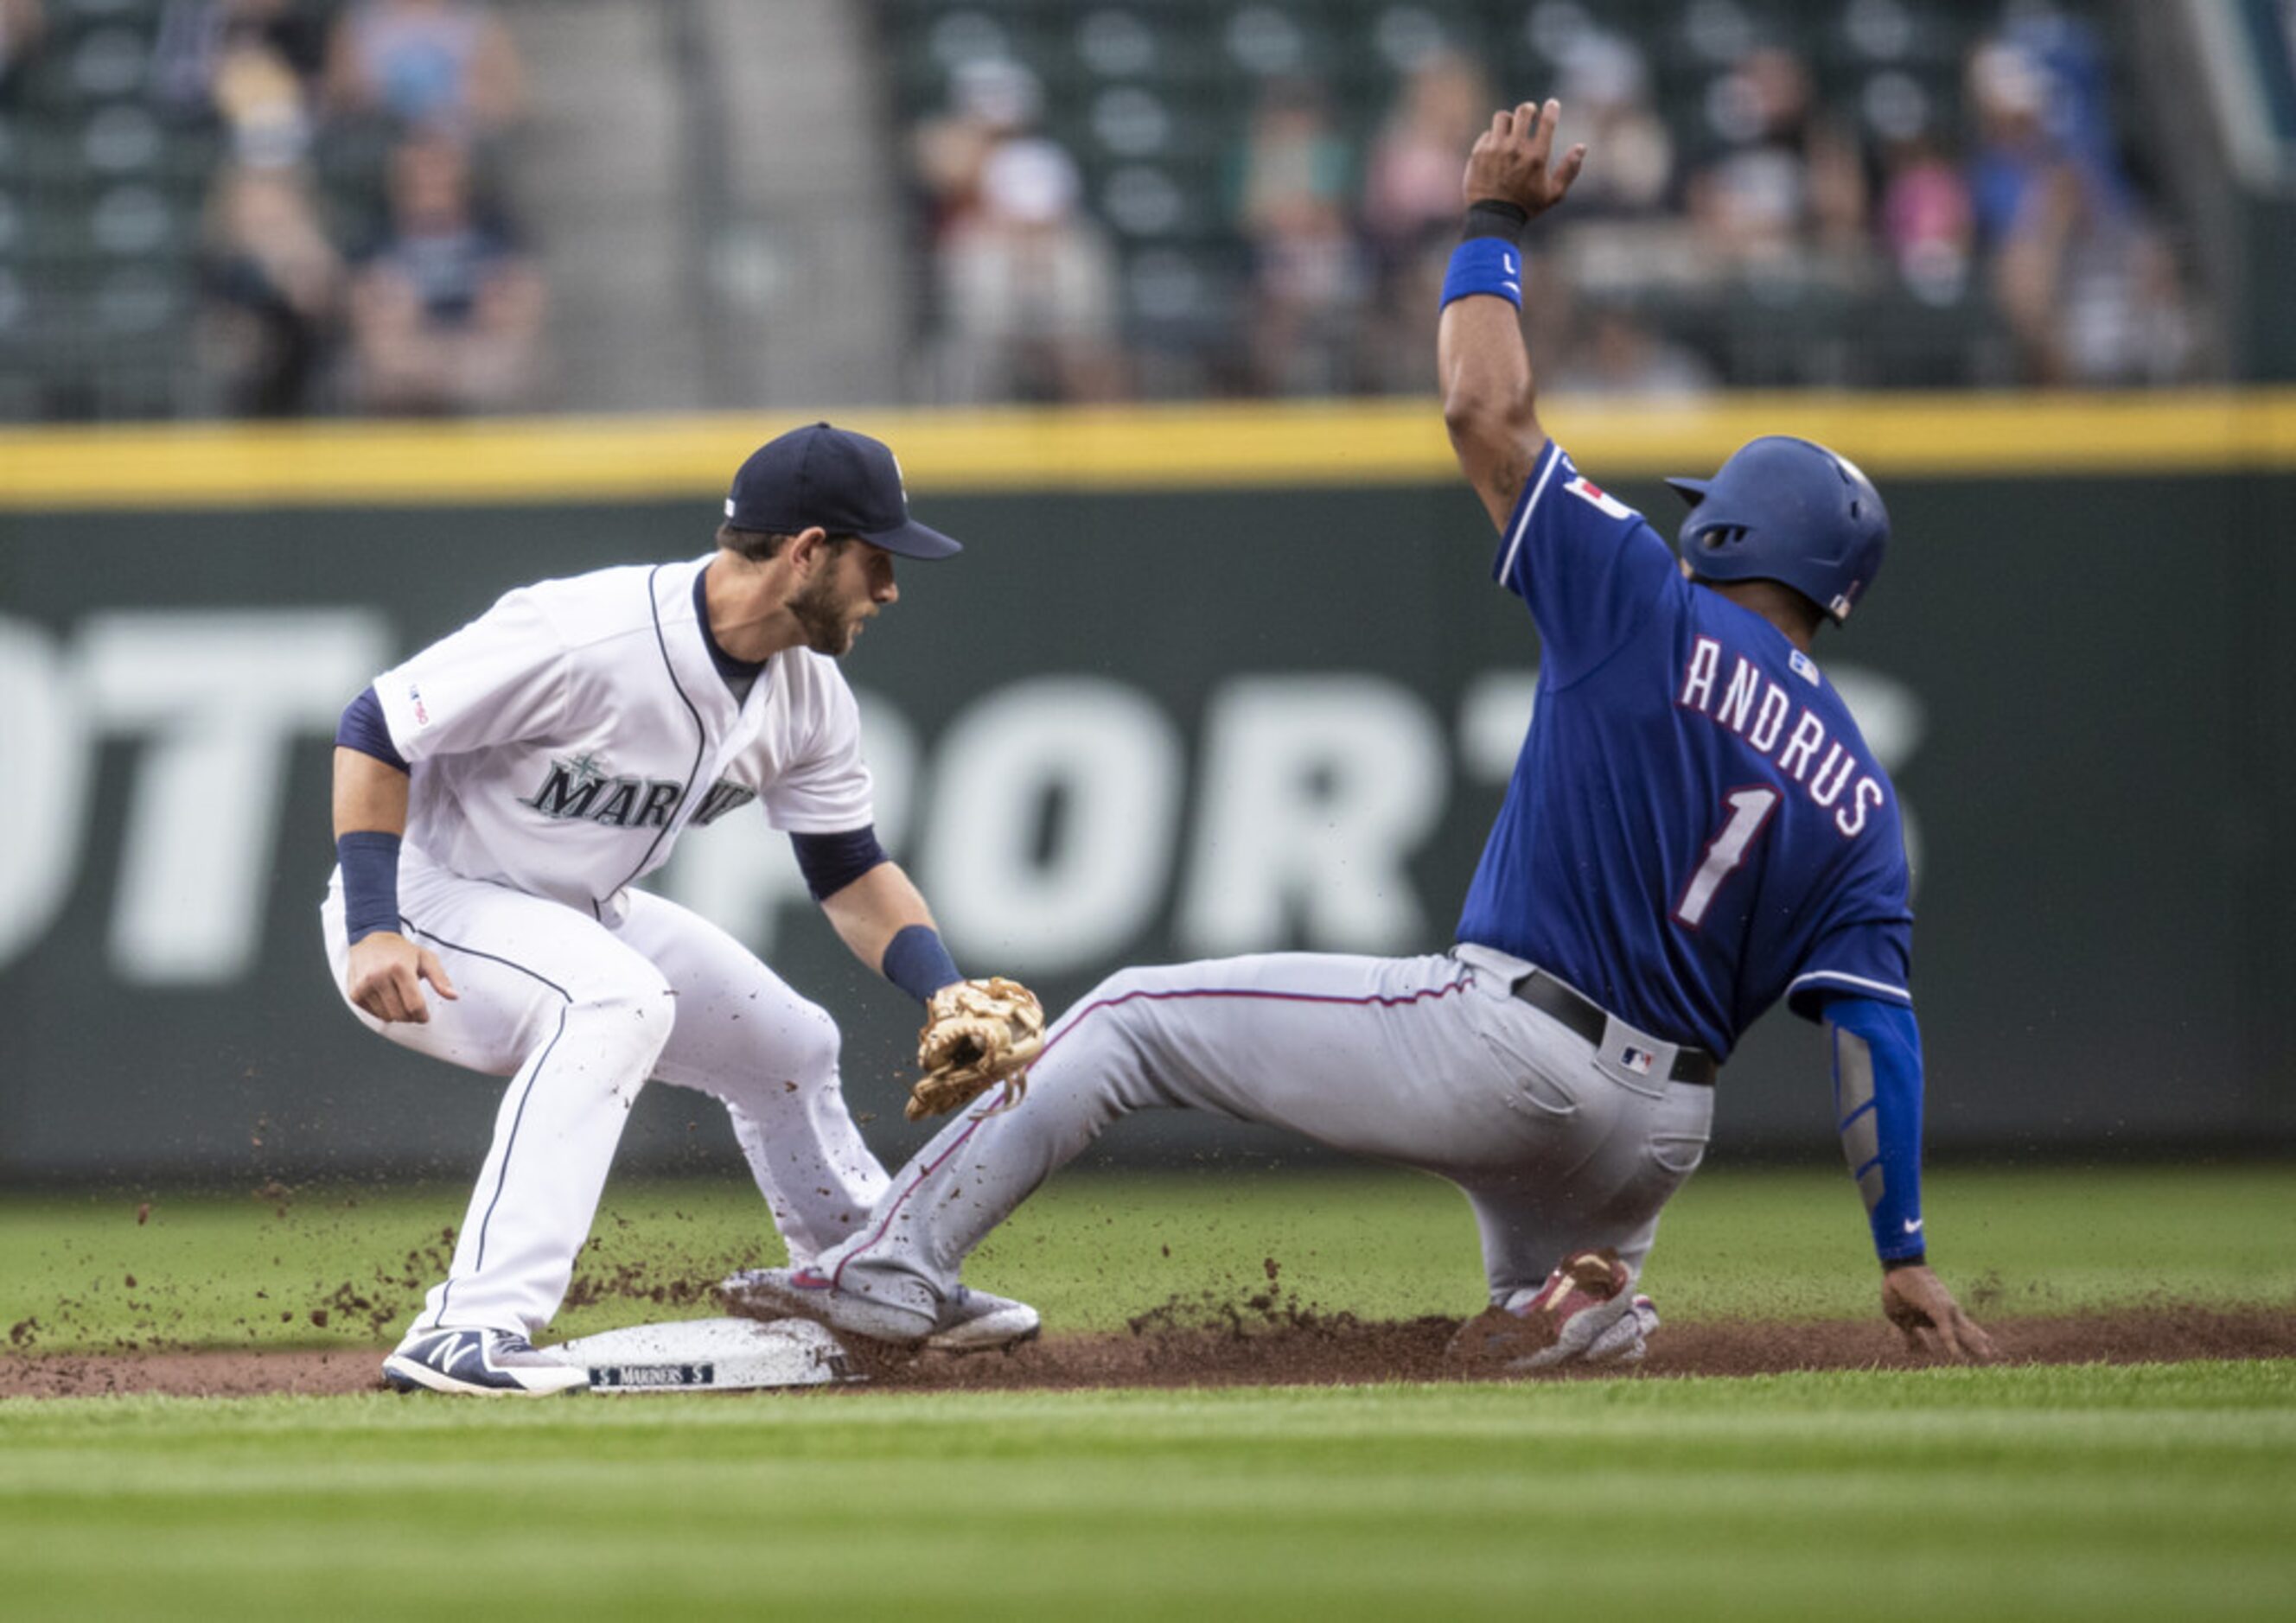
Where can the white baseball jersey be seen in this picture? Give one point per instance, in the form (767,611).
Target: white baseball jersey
(558,745)
(562,742)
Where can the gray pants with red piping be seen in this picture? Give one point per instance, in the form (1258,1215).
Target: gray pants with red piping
(1558,1142)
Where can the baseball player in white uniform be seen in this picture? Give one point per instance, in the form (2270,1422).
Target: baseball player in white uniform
(497,796)
(1670,860)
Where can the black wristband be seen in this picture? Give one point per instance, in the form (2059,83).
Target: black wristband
(1494,217)
(1919,1259)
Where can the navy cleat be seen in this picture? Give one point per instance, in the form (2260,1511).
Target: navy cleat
(478,1363)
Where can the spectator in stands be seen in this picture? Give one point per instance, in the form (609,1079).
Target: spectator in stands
(991,102)
(2086,287)
(427,64)
(1605,95)
(1791,181)
(1925,218)
(1411,181)
(250,64)
(274,289)
(1028,285)
(1610,354)
(1309,280)
(447,314)
(22,25)
(1411,209)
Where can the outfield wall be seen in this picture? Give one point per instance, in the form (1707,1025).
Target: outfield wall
(1204,682)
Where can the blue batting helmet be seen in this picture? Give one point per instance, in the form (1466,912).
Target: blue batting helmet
(1787,510)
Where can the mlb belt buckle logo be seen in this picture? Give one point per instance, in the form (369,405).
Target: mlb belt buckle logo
(1638,1060)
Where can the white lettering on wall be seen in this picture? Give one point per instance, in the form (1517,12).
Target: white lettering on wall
(1317,791)
(1048,834)
(220,696)
(44,762)
(1092,768)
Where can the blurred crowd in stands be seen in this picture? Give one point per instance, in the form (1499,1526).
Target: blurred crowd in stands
(1875,235)
(352,251)
(428,303)
(1116,198)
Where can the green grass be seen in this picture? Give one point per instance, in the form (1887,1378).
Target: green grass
(2091,1493)
(1093,1250)
(2036,1493)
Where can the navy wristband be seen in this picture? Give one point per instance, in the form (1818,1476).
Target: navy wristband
(370,862)
(916,962)
(1484,265)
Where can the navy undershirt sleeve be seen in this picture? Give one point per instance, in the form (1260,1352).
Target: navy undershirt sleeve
(830,861)
(1877,1106)
(363,729)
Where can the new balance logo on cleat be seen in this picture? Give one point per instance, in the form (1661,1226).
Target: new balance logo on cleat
(443,1351)
(478,1363)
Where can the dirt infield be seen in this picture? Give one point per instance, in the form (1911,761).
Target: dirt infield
(1161,1352)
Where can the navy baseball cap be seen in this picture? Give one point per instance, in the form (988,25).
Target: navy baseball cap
(846,483)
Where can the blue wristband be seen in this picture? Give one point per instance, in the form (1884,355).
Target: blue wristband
(370,862)
(1484,265)
(917,962)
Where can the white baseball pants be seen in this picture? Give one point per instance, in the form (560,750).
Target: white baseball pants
(580,1014)
(1432,1062)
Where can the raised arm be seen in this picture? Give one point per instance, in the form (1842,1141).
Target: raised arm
(1489,402)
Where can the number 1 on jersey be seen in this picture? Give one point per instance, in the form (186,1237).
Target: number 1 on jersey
(1749,810)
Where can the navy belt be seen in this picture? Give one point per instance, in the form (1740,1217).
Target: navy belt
(1588,1019)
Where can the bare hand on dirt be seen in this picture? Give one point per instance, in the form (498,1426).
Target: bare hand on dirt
(1916,1301)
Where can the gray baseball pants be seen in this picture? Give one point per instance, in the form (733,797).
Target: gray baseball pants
(1430,1062)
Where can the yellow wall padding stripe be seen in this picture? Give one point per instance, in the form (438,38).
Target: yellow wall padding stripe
(1385,442)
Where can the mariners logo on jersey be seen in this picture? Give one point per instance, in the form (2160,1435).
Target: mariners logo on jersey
(580,791)
(724,796)
(588,725)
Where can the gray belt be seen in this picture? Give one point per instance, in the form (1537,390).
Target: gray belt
(1543,992)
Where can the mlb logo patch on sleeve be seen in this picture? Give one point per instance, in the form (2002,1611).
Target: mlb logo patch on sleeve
(1587,490)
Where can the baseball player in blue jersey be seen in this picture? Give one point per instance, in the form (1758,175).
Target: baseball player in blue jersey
(498,795)
(1695,829)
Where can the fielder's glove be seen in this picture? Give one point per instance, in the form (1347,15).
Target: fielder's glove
(977,1034)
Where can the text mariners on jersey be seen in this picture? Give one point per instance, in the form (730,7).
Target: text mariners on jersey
(582,789)
(1754,707)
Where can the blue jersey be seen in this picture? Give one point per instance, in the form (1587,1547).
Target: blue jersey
(1695,827)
